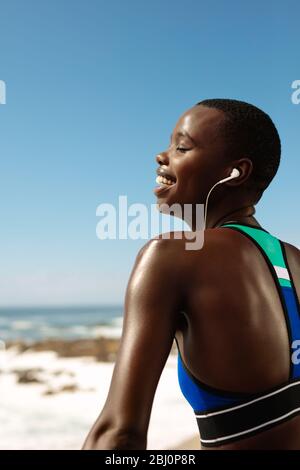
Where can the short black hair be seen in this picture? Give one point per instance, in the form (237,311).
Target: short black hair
(250,132)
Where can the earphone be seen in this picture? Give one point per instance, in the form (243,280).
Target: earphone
(234,174)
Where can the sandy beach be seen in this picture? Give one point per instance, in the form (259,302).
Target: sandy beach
(51,393)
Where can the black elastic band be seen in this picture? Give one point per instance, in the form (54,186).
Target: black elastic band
(240,422)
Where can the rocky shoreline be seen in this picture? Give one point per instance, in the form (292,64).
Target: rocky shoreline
(102,349)
(52,391)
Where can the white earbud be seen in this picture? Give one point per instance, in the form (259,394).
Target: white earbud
(234,174)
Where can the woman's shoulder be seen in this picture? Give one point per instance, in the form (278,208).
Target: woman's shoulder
(292,248)
(163,243)
(181,245)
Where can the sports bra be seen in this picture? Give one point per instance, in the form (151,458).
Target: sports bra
(224,417)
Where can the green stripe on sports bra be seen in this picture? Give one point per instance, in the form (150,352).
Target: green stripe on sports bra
(271,246)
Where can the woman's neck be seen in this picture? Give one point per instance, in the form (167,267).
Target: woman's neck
(242,214)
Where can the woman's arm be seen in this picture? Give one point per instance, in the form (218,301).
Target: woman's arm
(152,301)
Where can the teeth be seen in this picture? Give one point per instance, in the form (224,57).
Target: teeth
(163,180)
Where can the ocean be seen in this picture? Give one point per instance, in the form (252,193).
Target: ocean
(40,323)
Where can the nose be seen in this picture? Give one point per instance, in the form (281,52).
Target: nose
(162,158)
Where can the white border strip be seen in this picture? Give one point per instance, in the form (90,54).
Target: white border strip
(282,273)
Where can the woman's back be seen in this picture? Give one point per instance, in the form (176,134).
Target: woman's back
(233,334)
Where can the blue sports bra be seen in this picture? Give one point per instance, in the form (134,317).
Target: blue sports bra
(224,417)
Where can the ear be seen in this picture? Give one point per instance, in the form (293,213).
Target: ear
(245,167)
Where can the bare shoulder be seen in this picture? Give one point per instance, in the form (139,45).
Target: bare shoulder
(178,241)
(292,248)
(172,248)
(293,257)
(175,235)
(164,255)
(164,243)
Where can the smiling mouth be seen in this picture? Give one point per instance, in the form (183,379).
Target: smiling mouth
(164,182)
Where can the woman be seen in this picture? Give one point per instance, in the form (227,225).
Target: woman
(232,306)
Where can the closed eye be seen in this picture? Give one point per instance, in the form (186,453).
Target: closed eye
(182,149)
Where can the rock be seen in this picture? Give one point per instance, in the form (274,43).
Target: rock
(72,387)
(69,388)
(63,372)
(28,376)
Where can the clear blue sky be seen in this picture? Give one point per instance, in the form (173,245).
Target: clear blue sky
(94,89)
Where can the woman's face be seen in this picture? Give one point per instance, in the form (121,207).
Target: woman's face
(195,159)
